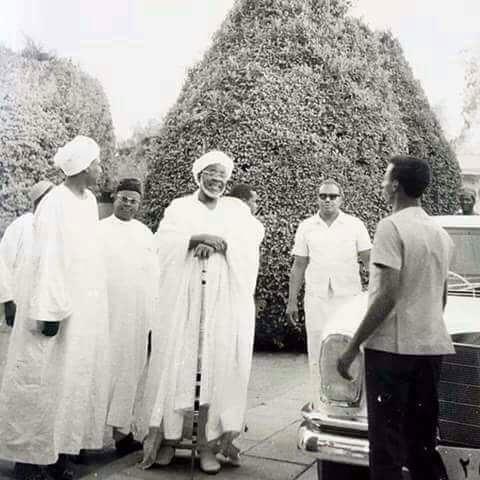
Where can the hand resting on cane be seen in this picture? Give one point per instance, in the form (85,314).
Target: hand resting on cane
(218,244)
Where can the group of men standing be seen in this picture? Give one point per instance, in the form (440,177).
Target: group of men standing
(108,316)
(91,298)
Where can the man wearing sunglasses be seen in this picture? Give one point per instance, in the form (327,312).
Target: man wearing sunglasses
(326,252)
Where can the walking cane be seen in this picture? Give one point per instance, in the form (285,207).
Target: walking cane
(198,374)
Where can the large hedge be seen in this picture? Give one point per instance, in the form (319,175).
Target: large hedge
(44,102)
(296,91)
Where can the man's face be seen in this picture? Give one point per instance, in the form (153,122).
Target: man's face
(213,180)
(467,202)
(329,199)
(93,172)
(389,186)
(126,204)
(252,202)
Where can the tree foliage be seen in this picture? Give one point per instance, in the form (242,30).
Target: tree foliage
(45,101)
(297,91)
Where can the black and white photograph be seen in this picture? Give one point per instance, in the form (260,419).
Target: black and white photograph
(239,239)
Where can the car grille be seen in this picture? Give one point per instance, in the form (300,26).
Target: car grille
(459,396)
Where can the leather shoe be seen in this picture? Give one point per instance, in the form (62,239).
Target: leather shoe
(127,445)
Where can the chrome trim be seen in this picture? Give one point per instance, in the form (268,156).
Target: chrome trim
(351,423)
(334,448)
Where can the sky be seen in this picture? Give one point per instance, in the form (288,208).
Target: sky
(140,50)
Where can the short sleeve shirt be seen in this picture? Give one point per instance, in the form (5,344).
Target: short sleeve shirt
(332,252)
(411,242)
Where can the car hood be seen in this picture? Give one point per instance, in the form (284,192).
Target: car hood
(461,315)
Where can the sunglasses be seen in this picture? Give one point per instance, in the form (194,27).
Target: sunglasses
(331,196)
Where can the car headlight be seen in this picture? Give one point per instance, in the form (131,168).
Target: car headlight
(334,388)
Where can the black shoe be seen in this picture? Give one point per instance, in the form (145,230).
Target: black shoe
(127,445)
(62,470)
(28,471)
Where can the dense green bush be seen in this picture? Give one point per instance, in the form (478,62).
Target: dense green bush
(44,102)
(296,91)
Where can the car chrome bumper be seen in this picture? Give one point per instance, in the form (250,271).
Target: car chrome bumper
(330,446)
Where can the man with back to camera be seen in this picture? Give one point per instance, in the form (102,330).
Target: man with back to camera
(403,331)
(327,248)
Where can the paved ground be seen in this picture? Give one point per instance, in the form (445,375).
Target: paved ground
(278,390)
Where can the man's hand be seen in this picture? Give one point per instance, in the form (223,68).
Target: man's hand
(214,241)
(292,314)
(10,311)
(203,251)
(218,243)
(345,361)
(50,329)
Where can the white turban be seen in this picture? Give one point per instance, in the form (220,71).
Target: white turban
(211,158)
(39,189)
(77,155)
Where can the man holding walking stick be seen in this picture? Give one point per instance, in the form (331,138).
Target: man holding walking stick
(204,225)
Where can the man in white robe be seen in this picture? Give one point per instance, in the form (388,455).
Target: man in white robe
(203,225)
(54,393)
(132,276)
(16,241)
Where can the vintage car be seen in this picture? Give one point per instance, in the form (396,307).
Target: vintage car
(336,430)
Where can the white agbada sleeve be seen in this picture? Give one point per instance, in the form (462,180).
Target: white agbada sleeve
(6,293)
(49,299)
(233,365)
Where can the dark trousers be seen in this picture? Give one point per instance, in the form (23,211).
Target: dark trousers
(402,400)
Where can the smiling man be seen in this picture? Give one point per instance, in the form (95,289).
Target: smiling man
(132,275)
(204,225)
(326,252)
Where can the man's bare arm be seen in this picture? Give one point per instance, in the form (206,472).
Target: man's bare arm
(378,311)
(297,277)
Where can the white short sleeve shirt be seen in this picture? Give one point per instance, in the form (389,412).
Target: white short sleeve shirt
(332,252)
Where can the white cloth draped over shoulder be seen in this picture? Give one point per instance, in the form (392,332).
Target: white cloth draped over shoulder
(229,321)
(54,393)
(132,276)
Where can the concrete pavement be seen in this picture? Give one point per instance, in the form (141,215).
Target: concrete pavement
(278,390)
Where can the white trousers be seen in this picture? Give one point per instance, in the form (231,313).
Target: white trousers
(318,311)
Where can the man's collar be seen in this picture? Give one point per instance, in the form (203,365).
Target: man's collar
(340,218)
